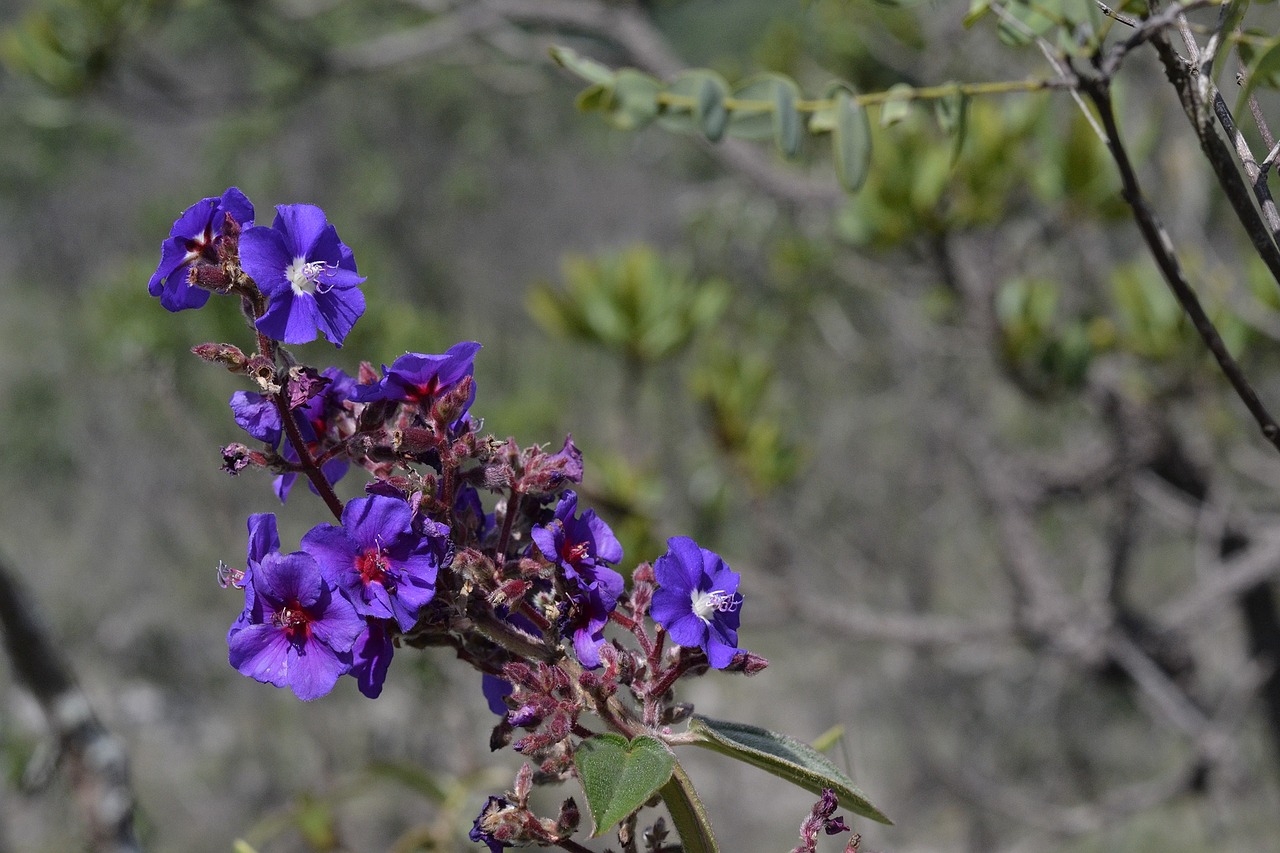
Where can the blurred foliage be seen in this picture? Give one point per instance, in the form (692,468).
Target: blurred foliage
(635,304)
(68,46)
(735,385)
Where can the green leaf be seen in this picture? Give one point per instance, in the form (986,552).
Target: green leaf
(710,113)
(703,89)
(634,101)
(618,776)
(593,98)
(898,106)
(786,120)
(1264,70)
(785,757)
(978,9)
(756,121)
(587,69)
(952,114)
(851,141)
(1231,19)
(687,814)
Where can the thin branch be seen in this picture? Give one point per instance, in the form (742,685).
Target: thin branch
(1161,246)
(1218,154)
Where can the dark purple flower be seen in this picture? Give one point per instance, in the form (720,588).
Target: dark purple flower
(307,274)
(697,600)
(378,560)
(421,379)
(296,630)
(583,548)
(371,657)
(490,815)
(195,238)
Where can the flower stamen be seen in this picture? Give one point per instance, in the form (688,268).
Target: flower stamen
(714,601)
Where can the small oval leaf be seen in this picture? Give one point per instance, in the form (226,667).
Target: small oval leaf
(851,141)
(898,105)
(635,100)
(701,89)
(786,121)
(754,99)
(710,112)
(618,776)
(783,756)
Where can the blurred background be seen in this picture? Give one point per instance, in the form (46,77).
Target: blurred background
(995,511)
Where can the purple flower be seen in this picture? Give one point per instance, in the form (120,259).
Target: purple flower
(378,560)
(582,548)
(421,379)
(195,238)
(697,600)
(296,630)
(307,274)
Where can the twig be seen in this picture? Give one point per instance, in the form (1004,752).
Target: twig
(1158,241)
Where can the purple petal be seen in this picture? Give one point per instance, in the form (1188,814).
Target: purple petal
(313,674)
(261,652)
(681,567)
(688,630)
(289,578)
(376,521)
(587,646)
(238,205)
(720,648)
(303,225)
(263,538)
(264,258)
(332,549)
(257,415)
(340,626)
(371,657)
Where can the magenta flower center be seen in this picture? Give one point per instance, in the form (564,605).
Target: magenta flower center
(426,392)
(294,620)
(372,566)
(573,554)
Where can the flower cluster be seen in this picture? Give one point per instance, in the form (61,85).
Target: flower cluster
(526,590)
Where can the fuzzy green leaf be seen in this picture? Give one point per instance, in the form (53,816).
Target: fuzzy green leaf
(687,814)
(783,756)
(618,776)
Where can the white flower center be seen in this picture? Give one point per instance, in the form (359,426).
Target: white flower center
(305,276)
(714,601)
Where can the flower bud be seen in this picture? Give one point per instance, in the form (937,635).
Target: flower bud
(231,356)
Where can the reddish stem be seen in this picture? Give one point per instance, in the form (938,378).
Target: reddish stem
(267,348)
